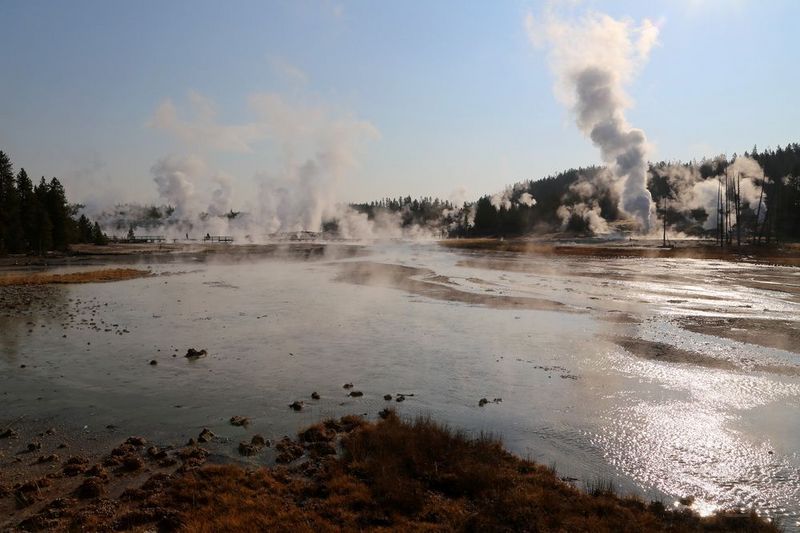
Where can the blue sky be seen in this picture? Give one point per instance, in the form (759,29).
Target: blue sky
(457,95)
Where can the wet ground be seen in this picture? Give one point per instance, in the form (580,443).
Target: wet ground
(672,377)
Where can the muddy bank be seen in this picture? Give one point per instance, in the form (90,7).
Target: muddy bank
(424,282)
(658,351)
(89,254)
(780,334)
(788,255)
(345,474)
(91,276)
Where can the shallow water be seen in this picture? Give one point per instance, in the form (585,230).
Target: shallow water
(276,330)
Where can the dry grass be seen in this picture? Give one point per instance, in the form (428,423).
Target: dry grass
(420,476)
(94,276)
(391,475)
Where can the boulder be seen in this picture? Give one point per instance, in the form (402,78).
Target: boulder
(239,421)
(192,353)
(205,436)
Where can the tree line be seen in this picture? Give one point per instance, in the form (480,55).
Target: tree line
(781,200)
(38,218)
(423,211)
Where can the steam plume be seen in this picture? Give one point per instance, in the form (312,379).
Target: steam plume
(593,58)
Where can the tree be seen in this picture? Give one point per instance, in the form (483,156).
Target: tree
(85,230)
(58,211)
(98,237)
(28,207)
(43,227)
(10,229)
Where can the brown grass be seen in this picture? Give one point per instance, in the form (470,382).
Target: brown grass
(391,475)
(420,476)
(93,276)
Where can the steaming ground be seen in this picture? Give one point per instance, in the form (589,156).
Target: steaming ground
(673,377)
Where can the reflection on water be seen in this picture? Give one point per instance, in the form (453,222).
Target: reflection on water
(450,329)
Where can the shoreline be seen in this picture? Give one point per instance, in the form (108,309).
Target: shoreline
(348,473)
(785,255)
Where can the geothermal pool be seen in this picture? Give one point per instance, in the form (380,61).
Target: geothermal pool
(673,378)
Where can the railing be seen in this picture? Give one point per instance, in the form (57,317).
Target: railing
(217,238)
(144,238)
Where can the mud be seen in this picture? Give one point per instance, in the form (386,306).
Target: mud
(788,254)
(424,282)
(780,334)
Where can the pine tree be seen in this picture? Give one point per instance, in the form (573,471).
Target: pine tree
(28,206)
(8,204)
(85,234)
(43,227)
(58,211)
(98,237)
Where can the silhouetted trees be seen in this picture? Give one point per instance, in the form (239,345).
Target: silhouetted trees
(780,219)
(39,218)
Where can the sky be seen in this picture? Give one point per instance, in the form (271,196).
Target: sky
(446,98)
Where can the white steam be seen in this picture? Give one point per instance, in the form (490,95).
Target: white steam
(512,195)
(313,150)
(593,58)
(691,191)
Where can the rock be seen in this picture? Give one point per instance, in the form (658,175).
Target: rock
(136,441)
(97,471)
(167,462)
(387,397)
(205,436)
(198,454)
(317,433)
(156,453)
(9,434)
(191,353)
(297,405)
(347,386)
(132,463)
(259,440)
(52,458)
(356,394)
(153,362)
(315,396)
(400,398)
(288,451)
(92,487)
(248,449)
(239,421)
(482,402)
(33,446)
(75,465)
